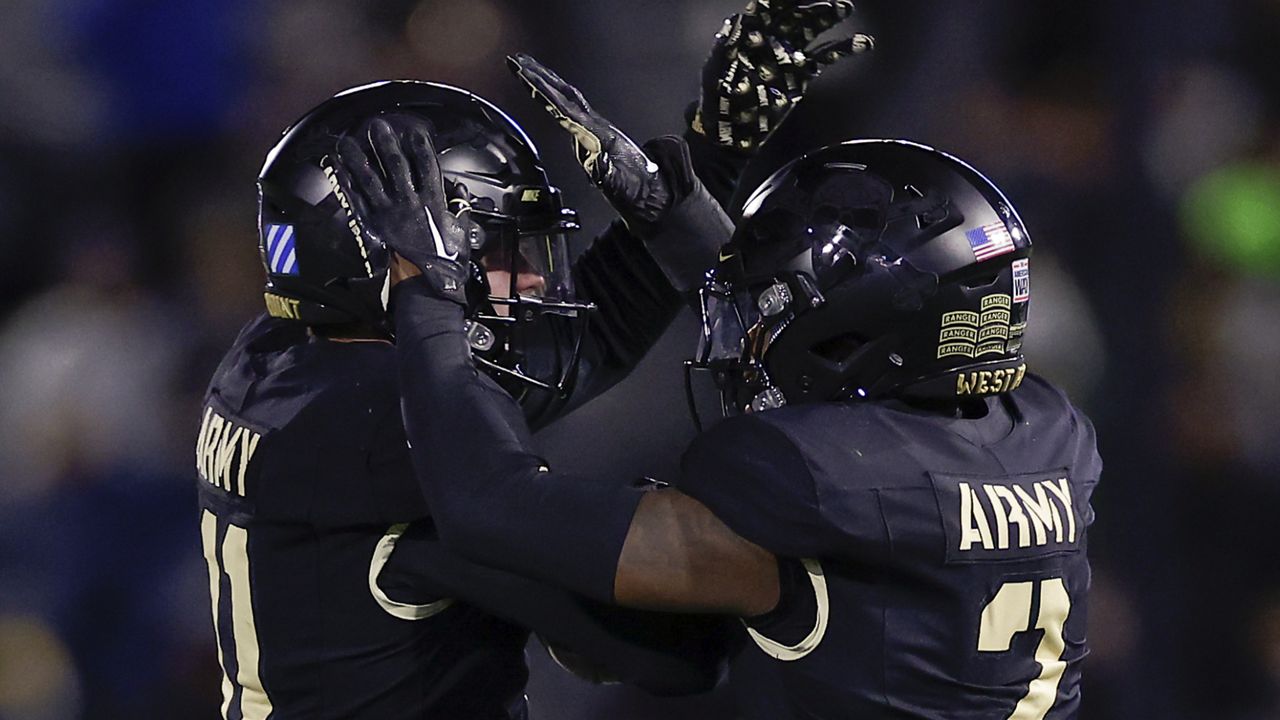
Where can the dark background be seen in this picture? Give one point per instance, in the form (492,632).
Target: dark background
(1138,139)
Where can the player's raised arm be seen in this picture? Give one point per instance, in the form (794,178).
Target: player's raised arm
(492,498)
(638,272)
(654,188)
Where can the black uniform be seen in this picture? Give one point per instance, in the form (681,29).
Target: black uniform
(946,557)
(305,484)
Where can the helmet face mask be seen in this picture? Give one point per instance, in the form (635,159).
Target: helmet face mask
(727,318)
(330,273)
(523,323)
(866,270)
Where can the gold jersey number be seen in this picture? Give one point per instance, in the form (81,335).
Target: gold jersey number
(1008,614)
(234,564)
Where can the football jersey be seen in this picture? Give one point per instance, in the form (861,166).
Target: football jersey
(303,473)
(945,557)
(306,486)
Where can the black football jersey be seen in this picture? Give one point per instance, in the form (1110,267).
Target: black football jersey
(945,558)
(304,486)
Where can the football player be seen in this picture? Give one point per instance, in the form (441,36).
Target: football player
(305,483)
(304,472)
(896,509)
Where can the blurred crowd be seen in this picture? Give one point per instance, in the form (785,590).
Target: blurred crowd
(1140,141)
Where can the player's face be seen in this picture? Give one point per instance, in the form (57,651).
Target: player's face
(511,276)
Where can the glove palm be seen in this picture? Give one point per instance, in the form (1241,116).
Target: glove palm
(627,176)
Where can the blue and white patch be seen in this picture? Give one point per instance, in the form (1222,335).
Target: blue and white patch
(279,247)
(1021,280)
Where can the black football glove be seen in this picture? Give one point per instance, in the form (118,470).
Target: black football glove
(400,200)
(654,189)
(628,178)
(762,64)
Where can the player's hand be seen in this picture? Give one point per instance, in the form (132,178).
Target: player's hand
(392,177)
(614,162)
(762,63)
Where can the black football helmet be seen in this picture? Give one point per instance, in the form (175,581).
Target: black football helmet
(868,269)
(324,270)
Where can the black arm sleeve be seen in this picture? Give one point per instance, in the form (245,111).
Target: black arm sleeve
(636,304)
(720,168)
(663,653)
(493,500)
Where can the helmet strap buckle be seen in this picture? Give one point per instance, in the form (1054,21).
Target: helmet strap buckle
(775,299)
(768,399)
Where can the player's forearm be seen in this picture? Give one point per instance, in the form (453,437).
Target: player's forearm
(493,500)
(679,556)
(664,654)
(685,239)
(635,306)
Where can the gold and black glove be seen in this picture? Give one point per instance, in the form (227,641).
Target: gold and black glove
(653,188)
(628,178)
(761,65)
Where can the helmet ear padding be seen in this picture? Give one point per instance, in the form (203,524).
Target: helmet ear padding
(831,350)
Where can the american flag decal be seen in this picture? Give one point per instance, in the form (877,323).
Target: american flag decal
(989,241)
(278,245)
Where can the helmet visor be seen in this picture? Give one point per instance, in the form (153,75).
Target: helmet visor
(546,256)
(726,315)
(534,266)
(525,250)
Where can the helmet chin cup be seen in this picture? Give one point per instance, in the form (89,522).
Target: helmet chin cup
(531,344)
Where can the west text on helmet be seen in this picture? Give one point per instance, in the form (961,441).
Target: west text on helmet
(989,382)
(224,450)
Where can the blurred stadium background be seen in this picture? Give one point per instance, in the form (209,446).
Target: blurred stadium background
(1140,140)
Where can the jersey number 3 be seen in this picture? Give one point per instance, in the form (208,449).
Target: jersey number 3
(1008,614)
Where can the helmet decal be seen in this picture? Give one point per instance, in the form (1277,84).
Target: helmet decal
(1021,280)
(990,240)
(966,333)
(279,249)
(327,165)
